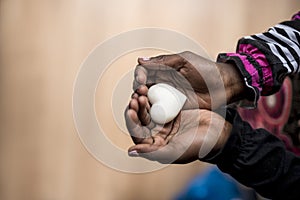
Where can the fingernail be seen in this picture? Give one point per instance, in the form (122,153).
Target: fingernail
(133,153)
(145,58)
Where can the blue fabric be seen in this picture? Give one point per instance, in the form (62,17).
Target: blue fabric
(212,185)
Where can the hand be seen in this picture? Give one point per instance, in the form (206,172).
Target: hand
(191,134)
(207,84)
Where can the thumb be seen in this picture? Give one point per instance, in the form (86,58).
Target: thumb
(164,155)
(163,62)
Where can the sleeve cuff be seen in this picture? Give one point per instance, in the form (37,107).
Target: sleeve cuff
(254,93)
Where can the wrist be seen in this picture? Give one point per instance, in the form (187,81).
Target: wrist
(234,83)
(216,152)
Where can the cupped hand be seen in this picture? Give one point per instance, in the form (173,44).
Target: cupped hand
(207,84)
(191,135)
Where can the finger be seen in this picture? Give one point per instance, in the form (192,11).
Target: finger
(143,113)
(143,148)
(134,96)
(133,124)
(140,77)
(140,74)
(133,104)
(131,118)
(142,90)
(163,62)
(155,144)
(135,85)
(163,154)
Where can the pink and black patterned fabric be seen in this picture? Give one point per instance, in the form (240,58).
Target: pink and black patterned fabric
(269,63)
(265,59)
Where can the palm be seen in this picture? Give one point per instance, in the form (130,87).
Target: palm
(179,141)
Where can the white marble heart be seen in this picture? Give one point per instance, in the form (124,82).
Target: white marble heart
(166,102)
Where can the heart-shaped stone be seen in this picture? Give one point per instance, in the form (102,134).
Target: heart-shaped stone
(166,102)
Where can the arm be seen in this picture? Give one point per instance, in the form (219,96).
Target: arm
(265,59)
(260,64)
(259,160)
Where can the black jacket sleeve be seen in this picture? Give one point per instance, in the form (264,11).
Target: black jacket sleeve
(260,160)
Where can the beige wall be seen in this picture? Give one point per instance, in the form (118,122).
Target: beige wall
(43,43)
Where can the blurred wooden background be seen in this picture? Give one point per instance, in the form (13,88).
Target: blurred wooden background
(43,43)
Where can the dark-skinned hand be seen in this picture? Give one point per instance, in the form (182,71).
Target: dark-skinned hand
(207,84)
(191,134)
